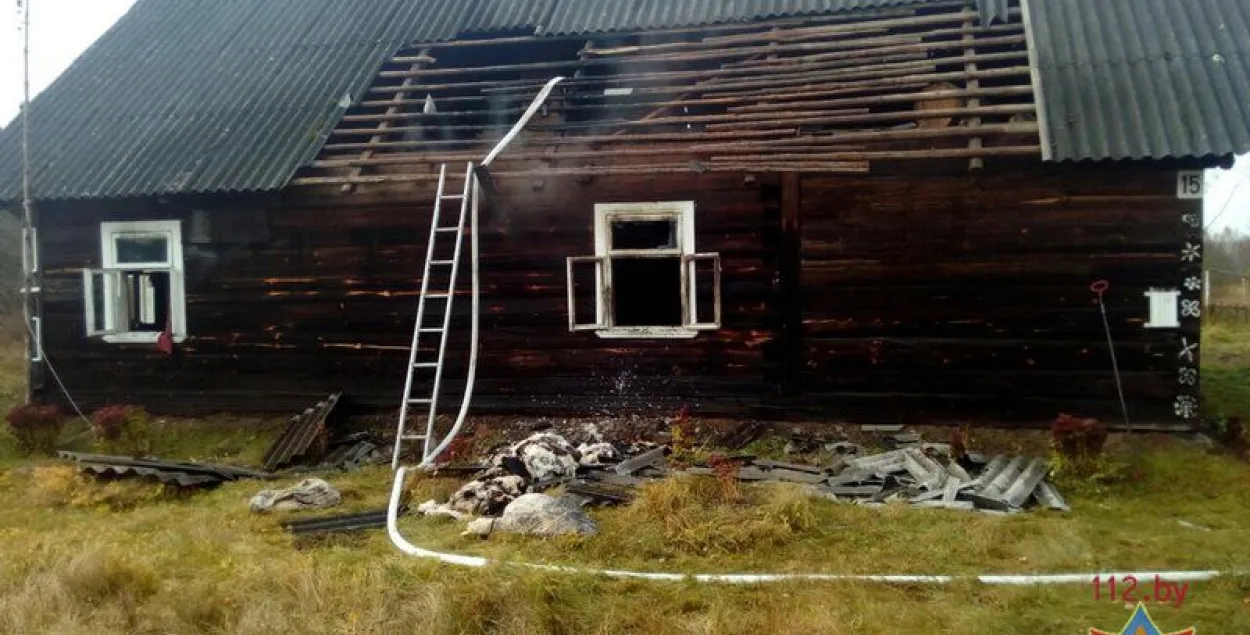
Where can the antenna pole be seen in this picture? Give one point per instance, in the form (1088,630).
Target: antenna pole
(30,240)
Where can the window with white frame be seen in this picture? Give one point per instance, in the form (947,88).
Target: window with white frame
(646,279)
(138,293)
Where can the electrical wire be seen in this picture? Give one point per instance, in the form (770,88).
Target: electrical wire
(1227,203)
(43,355)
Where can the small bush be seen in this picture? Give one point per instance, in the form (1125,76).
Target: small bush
(1077,462)
(1078,438)
(122,430)
(36,428)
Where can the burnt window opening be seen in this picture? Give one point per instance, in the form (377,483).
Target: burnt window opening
(646,292)
(646,279)
(146,296)
(644,234)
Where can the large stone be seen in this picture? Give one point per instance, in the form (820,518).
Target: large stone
(536,515)
(597,454)
(546,456)
(312,493)
(488,494)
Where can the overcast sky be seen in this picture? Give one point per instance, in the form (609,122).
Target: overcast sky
(62,29)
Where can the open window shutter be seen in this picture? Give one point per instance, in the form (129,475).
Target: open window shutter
(104,302)
(702,313)
(588,295)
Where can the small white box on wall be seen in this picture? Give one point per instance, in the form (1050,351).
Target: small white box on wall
(1164,312)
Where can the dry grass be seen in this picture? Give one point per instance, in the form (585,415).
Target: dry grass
(84,557)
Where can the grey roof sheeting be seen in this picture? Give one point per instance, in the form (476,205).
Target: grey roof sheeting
(1133,79)
(207,95)
(221,96)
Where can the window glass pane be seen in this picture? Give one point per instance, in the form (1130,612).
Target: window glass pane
(141,248)
(649,234)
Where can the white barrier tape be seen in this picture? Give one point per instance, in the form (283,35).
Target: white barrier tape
(392,528)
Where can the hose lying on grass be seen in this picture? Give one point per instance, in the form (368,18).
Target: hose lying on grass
(392,528)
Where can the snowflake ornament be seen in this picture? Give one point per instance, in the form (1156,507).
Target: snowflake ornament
(1193,283)
(1186,407)
(1191,308)
(1188,376)
(1191,252)
(1188,351)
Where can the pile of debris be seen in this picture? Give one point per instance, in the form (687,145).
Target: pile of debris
(1002,484)
(308,441)
(917,473)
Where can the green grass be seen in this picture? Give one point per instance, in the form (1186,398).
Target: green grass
(80,556)
(1226,370)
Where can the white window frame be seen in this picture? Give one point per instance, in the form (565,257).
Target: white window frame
(115,311)
(682,213)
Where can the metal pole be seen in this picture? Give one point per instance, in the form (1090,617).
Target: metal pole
(30,252)
(1099,288)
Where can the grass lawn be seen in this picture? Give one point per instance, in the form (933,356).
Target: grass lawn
(85,557)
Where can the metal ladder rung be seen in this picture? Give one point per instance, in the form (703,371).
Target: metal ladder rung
(420,348)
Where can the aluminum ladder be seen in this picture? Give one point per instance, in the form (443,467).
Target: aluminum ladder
(426,358)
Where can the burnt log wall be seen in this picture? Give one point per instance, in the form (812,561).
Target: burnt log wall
(326,300)
(920,298)
(934,298)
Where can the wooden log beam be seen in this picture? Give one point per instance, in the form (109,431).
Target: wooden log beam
(1010,109)
(423,59)
(882,100)
(885,82)
(875,136)
(588,139)
(975,163)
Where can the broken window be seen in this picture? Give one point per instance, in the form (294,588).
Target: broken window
(646,279)
(138,293)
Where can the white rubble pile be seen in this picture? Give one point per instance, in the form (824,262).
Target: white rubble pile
(543,458)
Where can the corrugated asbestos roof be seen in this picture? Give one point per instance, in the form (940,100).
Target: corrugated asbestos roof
(207,95)
(1132,79)
(217,96)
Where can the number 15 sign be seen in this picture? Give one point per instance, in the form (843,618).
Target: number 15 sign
(1190,184)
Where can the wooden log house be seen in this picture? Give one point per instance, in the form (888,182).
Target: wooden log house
(858,210)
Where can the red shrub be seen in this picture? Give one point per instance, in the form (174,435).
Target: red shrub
(36,427)
(726,471)
(121,429)
(1075,437)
